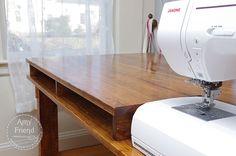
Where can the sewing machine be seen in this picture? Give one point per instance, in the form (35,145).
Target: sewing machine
(198,40)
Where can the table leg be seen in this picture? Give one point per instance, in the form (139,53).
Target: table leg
(49,121)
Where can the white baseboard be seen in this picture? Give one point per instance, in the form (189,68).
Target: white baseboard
(5,146)
(63,136)
(72,134)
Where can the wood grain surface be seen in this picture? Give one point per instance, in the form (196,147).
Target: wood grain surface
(102,92)
(97,150)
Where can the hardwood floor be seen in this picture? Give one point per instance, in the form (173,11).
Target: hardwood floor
(98,150)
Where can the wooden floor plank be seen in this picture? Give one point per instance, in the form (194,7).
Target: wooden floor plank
(98,150)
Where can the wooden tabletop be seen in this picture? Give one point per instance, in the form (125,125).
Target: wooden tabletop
(113,81)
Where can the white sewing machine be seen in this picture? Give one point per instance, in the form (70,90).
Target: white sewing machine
(198,40)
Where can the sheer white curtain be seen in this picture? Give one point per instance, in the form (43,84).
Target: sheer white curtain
(53,28)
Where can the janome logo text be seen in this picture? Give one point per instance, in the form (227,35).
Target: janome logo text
(174,10)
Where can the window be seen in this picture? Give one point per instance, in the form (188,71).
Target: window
(53,27)
(82,18)
(18,17)
(58,26)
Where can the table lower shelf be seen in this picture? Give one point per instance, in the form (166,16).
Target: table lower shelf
(98,124)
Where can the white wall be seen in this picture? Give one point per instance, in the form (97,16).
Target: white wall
(129,25)
(1,53)
(7,111)
(130,17)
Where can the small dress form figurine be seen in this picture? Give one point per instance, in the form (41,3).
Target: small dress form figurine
(150,45)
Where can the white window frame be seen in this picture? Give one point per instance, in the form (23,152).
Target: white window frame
(3,31)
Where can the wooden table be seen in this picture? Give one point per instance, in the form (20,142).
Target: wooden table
(103,92)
